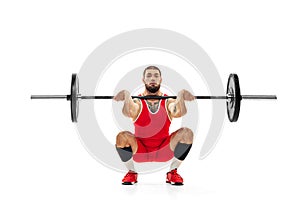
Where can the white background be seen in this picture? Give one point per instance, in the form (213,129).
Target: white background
(41,44)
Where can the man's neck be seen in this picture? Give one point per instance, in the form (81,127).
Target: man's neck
(148,93)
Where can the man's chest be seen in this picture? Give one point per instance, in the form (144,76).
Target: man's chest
(153,105)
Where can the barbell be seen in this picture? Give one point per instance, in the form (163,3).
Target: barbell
(233,97)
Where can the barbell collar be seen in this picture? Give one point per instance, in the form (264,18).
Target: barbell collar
(259,97)
(49,96)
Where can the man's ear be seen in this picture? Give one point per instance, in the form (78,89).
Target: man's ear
(143,80)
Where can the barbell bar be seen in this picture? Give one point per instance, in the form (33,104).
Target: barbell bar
(253,97)
(233,97)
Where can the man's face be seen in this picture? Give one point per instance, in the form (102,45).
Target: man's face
(152,80)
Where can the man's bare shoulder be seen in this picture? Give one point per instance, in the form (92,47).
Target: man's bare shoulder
(137,109)
(137,101)
(170,100)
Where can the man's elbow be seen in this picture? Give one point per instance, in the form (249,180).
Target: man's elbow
(129,113)
(179,114)
(126,113)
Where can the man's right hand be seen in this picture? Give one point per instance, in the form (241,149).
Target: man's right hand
(131,107)
(122,95)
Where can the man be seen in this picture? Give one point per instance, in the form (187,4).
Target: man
(151,141)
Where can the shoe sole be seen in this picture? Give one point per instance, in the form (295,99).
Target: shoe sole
(129,183)
(174,183)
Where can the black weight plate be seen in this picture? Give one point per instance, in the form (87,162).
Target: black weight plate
(74,97)
(233,102)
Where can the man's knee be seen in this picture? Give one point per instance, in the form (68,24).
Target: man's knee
(122,139)
(125,145)
(187,135)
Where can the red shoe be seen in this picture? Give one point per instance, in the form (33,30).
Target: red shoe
(130,178)
(173,178)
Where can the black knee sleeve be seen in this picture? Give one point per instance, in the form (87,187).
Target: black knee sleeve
(125,153)
(182,150)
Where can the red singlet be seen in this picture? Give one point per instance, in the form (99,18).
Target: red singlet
(152,134)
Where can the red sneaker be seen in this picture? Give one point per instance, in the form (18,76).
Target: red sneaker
(130,178)
(173,178)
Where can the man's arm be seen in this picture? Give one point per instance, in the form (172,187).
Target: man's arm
(131,106)
(177,107)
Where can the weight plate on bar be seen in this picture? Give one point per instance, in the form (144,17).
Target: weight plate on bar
(234,98)
(74,97)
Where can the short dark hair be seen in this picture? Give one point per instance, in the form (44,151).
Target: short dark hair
(151,67)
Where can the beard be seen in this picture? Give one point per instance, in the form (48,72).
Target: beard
(152,89)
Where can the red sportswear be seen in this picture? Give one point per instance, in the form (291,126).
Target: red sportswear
(152,134)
